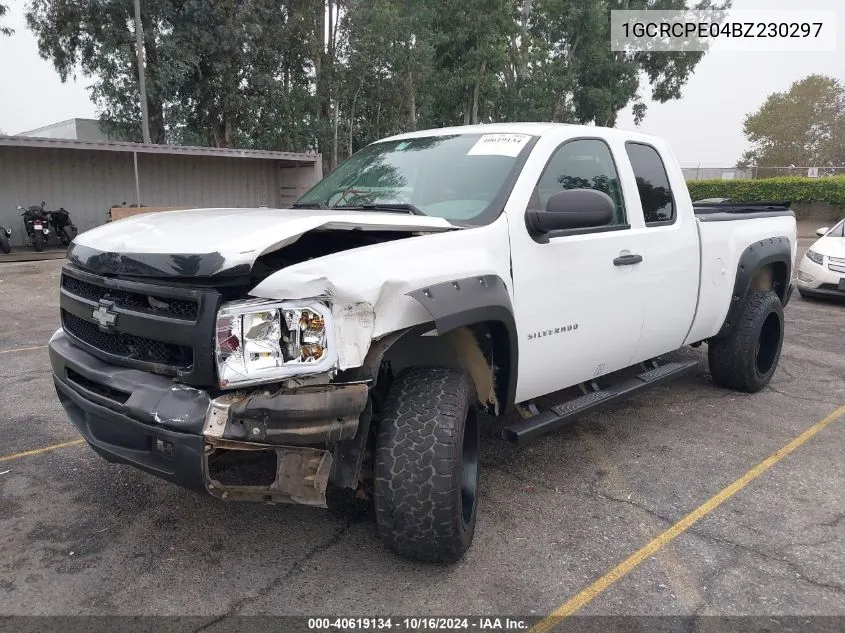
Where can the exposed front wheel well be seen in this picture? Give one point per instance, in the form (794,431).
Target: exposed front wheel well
(483,350)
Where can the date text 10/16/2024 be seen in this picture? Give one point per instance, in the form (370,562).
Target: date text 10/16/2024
(418,624)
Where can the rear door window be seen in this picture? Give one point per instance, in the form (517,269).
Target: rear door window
(652,184)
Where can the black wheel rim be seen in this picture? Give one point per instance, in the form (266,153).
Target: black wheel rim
(469,468)
(768,344)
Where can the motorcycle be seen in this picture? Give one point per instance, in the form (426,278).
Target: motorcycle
(35,222)
(5,235)
(62,226)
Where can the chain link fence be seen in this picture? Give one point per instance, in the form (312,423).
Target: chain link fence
(711,172)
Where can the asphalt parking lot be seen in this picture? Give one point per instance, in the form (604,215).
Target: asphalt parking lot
(81,536)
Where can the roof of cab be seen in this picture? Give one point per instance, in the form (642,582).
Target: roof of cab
(534,129)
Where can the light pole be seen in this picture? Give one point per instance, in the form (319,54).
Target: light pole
(142,81)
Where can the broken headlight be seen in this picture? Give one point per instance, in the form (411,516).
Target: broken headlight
(267,341)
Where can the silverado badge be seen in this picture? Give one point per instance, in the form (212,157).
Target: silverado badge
(557,330)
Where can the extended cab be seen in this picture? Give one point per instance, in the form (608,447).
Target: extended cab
(349,344)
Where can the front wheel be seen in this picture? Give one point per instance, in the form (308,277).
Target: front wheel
(746,359)
(38,241)
(426,484)
(4,243)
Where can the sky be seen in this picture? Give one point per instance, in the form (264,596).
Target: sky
(704,127)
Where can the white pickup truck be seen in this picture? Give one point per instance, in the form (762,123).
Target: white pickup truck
(347,345)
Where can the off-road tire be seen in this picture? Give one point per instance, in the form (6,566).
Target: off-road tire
(38,241)
(747,358)
(5,247)
(427,465)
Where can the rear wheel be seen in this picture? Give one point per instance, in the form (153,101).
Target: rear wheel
(426,484)
(747,358)
(38,241)
(68,234)
(4,243)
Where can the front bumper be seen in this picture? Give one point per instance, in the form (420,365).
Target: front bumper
(183,434)
(819,280)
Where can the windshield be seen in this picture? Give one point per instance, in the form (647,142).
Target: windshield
(455,177)
(838,230)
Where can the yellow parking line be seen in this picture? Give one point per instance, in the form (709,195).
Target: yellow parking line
(38,451)
(586,595)
(21,349)
(679,578)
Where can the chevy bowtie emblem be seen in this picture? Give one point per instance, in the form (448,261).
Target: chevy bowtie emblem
(105,316)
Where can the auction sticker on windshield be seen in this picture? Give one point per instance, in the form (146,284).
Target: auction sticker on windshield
(499,145)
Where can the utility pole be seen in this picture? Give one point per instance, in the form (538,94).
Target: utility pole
(142,80)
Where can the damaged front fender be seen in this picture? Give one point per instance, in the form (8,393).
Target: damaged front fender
(369,288)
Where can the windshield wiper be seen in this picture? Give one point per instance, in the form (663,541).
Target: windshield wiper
(310,204)
(390,207)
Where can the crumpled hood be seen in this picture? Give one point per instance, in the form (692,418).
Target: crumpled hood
(205,242)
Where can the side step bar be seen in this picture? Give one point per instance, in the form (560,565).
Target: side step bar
(560,415)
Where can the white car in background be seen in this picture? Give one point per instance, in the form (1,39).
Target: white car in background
(822,269)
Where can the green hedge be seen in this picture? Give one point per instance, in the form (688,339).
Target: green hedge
(793,188)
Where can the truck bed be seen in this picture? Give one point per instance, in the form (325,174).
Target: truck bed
(738,210)
(726,231)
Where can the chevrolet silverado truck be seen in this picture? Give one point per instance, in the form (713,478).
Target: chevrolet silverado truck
(349,346)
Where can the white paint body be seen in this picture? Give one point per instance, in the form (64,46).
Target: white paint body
(679,294)
(811,275)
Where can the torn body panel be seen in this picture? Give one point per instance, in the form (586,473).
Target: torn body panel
(473,310)
(368,288)
(263,444)
(296,475)
(305,415)
(473,361)
(288,441)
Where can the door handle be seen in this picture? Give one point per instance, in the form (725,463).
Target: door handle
(627,260)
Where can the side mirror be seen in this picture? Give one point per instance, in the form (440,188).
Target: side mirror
(572,209)
(822,231)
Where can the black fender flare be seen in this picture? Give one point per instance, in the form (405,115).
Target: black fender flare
(762,253)
(470,300)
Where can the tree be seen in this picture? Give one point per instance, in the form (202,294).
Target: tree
(470,50)
(803,126)
(387,63)
(99,37)
(334,75)
(213,69)
(448,62)
(4,30)
(562,69)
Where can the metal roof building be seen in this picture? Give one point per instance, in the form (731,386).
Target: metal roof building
(89,177)
(79,129)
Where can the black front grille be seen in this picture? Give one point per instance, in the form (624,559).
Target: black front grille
(179,308)
(166,328)
(127,345)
